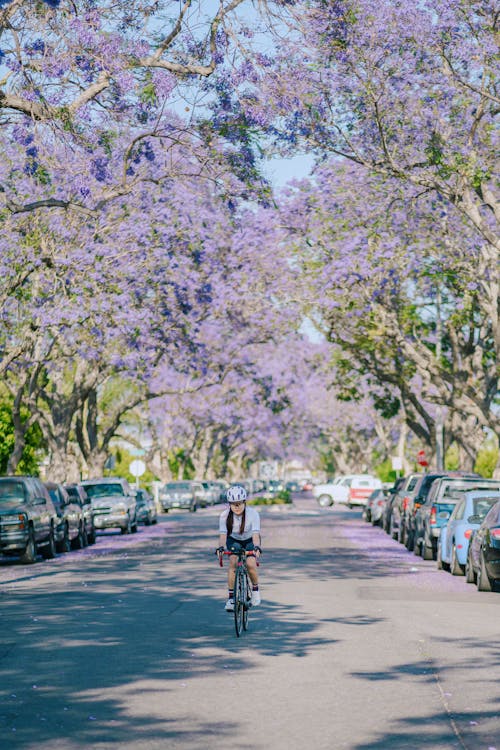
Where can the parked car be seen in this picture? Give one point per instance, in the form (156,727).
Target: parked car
(375,505)
(186,494)
(70,532)
(483,559)
(386,516)
(113,503)
(210,494)
(466,518)
(441,499)
(222,487)
(77,492)
(292,486)
(28,519)
(401,507)
(417,499)
(145,507)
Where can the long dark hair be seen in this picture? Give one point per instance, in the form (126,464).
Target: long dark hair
(230,519)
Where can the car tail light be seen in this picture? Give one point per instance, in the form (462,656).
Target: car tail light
(380,503)
(405,502)
(495,533)
(468,533)
(432,519)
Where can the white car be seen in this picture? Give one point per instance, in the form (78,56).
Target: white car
(350,490)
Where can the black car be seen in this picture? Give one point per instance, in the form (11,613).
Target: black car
(78,494)
(70,528)
(28,519)
(483,559)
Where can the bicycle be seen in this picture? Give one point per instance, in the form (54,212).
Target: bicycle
(242,589)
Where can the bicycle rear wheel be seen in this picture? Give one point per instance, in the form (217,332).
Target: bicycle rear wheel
(238,601)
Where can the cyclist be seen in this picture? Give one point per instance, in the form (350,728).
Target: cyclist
(239,526)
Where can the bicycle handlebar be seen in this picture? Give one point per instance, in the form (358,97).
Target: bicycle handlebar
(249,553)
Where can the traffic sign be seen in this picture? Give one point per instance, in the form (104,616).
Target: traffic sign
(137,468)
(421,459)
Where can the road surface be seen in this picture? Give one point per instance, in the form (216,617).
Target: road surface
(358,644)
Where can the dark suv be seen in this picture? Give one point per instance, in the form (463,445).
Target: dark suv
(28,519)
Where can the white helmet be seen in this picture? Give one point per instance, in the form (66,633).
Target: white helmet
(236,494)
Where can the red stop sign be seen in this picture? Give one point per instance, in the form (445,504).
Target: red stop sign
(421,460)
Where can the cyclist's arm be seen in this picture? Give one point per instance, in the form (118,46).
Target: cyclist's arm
(222,540)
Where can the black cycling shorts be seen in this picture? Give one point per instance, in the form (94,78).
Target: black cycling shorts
(234,545)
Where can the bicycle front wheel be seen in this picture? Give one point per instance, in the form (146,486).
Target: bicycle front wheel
(239,602)
(247,599)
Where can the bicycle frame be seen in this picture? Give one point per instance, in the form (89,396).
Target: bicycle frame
(242,589)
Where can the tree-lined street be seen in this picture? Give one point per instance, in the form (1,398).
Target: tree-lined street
(358,644)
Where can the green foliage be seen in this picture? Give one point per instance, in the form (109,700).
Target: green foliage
(33,450)
(385,472)
(486,461)
(452,458)
(282,497)
(387,405)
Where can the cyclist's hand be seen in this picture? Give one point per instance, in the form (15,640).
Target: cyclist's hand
(258,551)
(219,550)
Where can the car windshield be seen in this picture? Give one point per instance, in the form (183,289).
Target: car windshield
(11,494)
(104,489)
(177,486)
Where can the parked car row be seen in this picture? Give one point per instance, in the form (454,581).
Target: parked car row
(450,517)
(49,517)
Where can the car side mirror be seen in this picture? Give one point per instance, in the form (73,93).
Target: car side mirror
(39,501)
(474,519)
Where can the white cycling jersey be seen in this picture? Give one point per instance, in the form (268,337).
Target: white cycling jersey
(252,523)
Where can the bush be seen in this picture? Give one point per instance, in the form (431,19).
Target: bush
(281,498)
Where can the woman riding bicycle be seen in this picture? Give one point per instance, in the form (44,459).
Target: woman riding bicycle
(239,526)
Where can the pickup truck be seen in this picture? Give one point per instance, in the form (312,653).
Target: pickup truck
(351,490)
(28,519)
(113,503)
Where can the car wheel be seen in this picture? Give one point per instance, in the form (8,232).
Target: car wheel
(134,526)
(470,576)
(29,555)
(79,541)
(49,550)
(484,582)
(427,552)
(65,544)
(416,545)
(92,536)
(392,532)
(193,508)
(409,541)
(127,529)
(455,568)
(324,501)
(439,561)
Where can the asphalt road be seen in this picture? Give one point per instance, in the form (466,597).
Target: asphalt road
(358,644)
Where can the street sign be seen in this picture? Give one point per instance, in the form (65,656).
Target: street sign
(137,468)
(421,459)
(397,463)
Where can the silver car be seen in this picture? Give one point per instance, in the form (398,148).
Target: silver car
(113,504)
(185,494)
